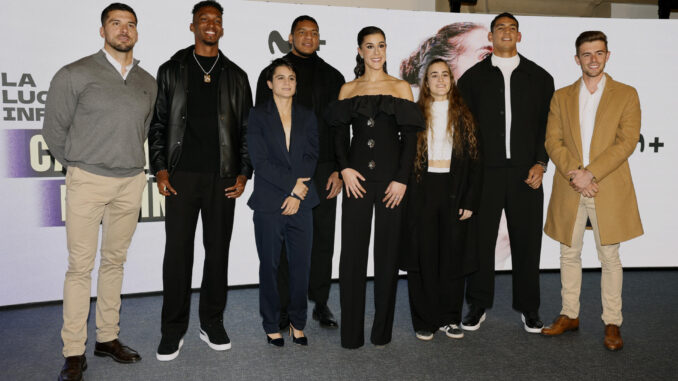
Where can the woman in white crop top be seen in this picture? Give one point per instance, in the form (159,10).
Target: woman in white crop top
(438,237)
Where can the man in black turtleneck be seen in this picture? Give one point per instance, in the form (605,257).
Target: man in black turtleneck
(318,84)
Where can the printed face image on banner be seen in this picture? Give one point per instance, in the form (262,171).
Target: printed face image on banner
(33,251)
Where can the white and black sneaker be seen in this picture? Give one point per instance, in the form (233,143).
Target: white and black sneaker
(215,336)
(473,318)
(169,348)
(532,323)
(453,331)
(424,335)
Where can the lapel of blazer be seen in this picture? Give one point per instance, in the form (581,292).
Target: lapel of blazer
(277,130)
(296,134)
(573,112)
(604,105)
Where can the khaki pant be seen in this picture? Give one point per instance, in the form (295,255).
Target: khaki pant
(570,268)
(114,203)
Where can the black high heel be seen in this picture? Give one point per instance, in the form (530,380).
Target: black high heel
(279,342)
(297,340)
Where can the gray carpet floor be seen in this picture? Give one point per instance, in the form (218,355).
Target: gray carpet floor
(499,350)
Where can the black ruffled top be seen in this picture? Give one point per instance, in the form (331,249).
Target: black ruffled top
(384,139)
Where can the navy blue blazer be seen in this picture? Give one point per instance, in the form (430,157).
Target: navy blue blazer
(276,169)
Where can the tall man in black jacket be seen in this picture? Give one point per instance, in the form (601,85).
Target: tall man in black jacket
(509,96)
(318,84)
(198,152)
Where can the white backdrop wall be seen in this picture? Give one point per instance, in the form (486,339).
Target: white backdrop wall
(32,237)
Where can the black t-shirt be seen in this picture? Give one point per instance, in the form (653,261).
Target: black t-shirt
(200,152)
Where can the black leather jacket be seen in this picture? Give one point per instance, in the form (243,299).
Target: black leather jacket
(169,119)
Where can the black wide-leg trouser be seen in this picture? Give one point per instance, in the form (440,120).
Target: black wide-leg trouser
(505,188)
(356,224)
(436,295)
(197,194)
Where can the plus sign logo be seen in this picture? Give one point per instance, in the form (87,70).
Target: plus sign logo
(656,144)
(275,38)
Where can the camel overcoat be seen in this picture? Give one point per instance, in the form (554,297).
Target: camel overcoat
(615,136)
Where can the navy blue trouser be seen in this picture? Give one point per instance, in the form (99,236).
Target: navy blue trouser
(296,231)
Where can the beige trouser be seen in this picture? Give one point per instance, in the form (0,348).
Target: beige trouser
(114,203)
(570,268)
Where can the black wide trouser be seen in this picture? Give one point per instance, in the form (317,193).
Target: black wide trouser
(505,188)
(436,295)
(197,193)
(324,216)
(271,230)
(356,224)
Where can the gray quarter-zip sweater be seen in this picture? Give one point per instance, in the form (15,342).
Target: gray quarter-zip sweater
(95,120)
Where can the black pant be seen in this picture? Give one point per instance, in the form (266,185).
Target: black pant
(505,188)
(324,216)
(271,230)
(436,296)
(356,224)
(196,193)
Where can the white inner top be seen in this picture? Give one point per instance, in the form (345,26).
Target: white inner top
(507,65)
(117,65)
(588,107)
(439,141)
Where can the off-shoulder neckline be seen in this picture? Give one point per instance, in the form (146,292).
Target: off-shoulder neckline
(375,96)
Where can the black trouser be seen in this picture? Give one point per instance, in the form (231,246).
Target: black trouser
(356,226)
(505,188)
(271,230)
(324,216)
(436,295)
(196,193)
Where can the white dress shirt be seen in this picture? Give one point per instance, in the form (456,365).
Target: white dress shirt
(507,66)
(439,141)
(588,107)
(117,65)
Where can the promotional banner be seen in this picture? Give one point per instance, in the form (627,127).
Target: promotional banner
(33,255)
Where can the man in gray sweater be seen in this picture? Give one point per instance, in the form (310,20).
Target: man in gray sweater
(98,112)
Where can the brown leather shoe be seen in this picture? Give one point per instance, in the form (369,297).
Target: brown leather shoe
(561,325)
(73,368)
(613,340)
(117,351)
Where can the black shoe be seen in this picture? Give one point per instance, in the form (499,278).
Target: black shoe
(424,335)
(169,348)
(117,351)
(324,316)
(298,340)
(531,322)
(284,320)
(73,368)
(215,336)
(473,318)
(279,342)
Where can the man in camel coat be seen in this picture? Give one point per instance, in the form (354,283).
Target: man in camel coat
(593,127)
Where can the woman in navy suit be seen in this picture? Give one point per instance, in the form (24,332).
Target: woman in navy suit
(282,139)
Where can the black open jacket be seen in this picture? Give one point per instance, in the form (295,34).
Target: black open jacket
(169,119)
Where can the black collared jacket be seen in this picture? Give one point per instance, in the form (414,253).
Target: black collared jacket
(482,87)
(169,120)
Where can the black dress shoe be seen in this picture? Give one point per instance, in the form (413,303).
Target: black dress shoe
(284,321)
(324,316)
(117,351)
(279,342)
(73,368)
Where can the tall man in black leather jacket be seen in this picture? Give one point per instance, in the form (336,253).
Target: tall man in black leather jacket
(318,84)
(198,152)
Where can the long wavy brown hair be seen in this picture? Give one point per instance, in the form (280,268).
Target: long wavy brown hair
(460,124)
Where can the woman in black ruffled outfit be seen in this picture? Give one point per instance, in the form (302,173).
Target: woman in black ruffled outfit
(375,166)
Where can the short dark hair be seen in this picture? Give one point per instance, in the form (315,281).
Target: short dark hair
(590,36)
(276,63)
(207,3)
(116,7)
(300,19)
(505,14)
